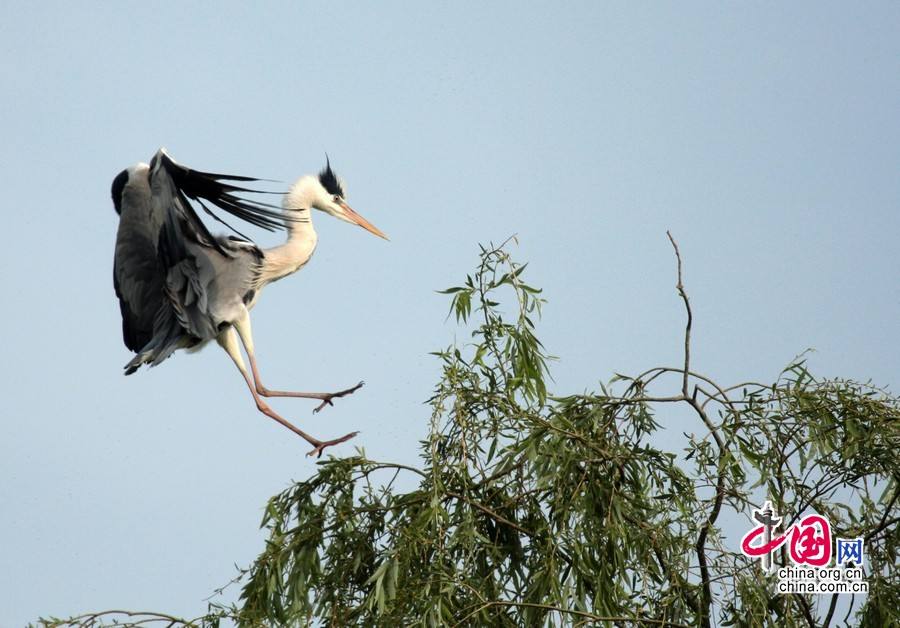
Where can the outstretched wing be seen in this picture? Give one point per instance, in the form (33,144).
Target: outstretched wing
(172,184)
(157,226)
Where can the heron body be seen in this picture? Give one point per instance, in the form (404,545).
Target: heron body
(180,287)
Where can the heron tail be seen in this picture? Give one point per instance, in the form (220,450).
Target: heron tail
(168,337)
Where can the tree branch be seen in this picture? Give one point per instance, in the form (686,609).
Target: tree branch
(690,319)
(570,611)
(700,546)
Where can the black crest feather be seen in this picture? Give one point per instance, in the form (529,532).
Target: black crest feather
(329,180)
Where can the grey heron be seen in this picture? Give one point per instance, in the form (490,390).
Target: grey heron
(180,287)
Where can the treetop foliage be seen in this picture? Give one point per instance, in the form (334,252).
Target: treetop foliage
(533,508)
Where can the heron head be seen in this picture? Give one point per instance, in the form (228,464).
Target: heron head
(326,193)
(332,201)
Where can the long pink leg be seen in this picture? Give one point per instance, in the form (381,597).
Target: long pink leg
(228,340)
(243,329)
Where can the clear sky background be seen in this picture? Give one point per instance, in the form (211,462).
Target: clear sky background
(765,136)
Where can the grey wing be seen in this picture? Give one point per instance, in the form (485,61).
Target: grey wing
(137,276)
(206,285)
(174,279)
(208,289)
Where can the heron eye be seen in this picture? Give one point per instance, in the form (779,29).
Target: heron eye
(337,199)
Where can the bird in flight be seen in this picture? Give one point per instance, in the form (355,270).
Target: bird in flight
(180,287)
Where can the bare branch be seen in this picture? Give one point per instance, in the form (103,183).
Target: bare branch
(700,547)
(690,318)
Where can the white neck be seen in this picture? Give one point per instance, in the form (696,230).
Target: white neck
(288,258)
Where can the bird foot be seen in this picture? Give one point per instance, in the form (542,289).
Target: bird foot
(318,449)
(326,399)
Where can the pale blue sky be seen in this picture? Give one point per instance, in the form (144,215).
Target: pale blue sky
(765,136)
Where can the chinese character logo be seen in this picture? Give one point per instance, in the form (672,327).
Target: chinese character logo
(768,521)
(850,551)
(809,540)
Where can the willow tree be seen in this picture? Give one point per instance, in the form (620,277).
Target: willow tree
(532,508)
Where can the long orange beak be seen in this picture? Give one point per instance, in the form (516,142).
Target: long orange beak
(362,222)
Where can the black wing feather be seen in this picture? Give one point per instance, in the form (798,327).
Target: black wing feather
(158,222)
(196,185)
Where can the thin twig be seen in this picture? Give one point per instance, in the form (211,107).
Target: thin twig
(831,607)
(690,318)
(91,619)
(491,513)
(570,611)
(884,519)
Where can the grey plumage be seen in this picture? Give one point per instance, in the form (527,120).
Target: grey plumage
(176,283)
(180,287)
